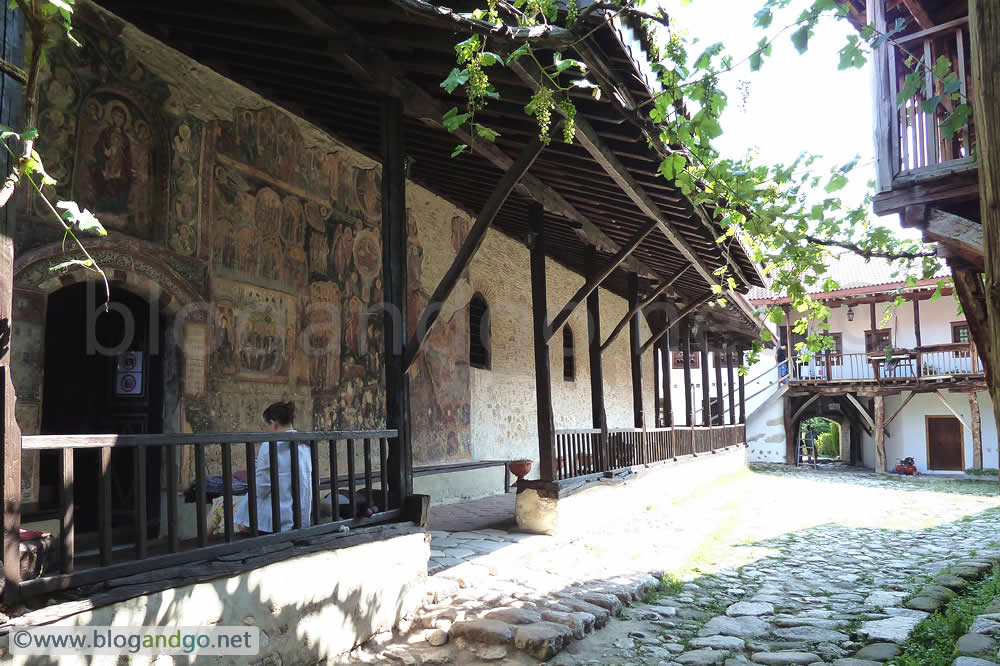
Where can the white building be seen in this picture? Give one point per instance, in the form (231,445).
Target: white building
(911,368)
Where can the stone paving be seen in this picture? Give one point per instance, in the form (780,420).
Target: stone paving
(774,566)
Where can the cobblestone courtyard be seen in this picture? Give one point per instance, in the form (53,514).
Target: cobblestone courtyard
(772,565)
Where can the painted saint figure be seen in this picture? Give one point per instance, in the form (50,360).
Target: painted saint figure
(112,169)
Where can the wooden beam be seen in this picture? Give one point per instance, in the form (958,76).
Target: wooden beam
(977,432)
(373,69)
(680,317)
(951,409)
(861,410)
(720,396)
(477,234)
(603,155)
(635,353)
(955,235)
(879,427)
(743,400)
(916,323)
(599,416)
(882,109)
(595,281)
(394,287)
(543,377)
(686,350)
(874,319)
(663,286)
(971,293)
(664,360)
(732,389)
(804,406)
(791,440)
(919,14)
(900,408)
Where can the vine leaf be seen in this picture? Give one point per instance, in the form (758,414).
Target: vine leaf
(883,38)
(562,64)
(486,132)
(452,120)
(84,220)
(955,121)
(459,149)
(456,78)
(520,51)
(800,38)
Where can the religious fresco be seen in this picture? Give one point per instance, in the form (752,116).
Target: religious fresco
(255,331)
(440,392)
(114,148)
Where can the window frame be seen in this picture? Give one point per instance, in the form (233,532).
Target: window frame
(877,332)
(955,327)
(837,353)
(677,360)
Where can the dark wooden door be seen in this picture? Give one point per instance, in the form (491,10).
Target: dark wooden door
(944,443)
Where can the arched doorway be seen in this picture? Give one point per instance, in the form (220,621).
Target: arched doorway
(103,373)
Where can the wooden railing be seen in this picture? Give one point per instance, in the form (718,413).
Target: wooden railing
(581,452)
(951,359)
(915,142)
(127,552)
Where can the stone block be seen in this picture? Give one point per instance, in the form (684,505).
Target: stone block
(542,640)
(785,658)
(706,657)
(976,645)
(741,627)
(879,652)
(490,632)
(750,608)
(926,604)
(575,621)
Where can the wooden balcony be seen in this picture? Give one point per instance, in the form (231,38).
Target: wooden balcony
(928,365)
(916,163)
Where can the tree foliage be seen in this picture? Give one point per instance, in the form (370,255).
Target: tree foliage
(788,216)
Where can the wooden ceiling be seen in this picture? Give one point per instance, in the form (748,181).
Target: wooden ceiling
(330,62)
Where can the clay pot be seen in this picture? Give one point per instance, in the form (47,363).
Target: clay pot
(520,468)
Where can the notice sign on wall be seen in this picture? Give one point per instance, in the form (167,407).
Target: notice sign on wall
(128,374)
(195,359)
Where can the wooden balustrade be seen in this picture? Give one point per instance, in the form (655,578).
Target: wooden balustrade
(915,143)
(581,452)
(951,359)
(122,552)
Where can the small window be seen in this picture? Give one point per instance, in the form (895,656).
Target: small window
(677,360)
(837,351)
(569,361)
(960,334)
(878,341)
(479,333)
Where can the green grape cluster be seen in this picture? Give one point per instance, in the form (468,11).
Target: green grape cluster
(572,12)
(542,105)
(569,126)
(478,83)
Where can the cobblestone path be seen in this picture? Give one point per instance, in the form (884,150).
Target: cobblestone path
(770,566)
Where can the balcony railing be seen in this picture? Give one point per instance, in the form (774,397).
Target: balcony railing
(921,363)
(916,145)
(144,546)
(582,452)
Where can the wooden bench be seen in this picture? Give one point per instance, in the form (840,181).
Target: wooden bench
(427,470)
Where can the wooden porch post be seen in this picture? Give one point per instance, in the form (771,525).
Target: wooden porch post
(394,277)
(686,349)
(880,464)
(539,316)
(977,431)
(668,408)
(732,389)
(916,321)
(635,355)
(598,414)
(789,347)
(720,395)
(791,441)
(706,394)
(657,389)
(12,50)
(743,401)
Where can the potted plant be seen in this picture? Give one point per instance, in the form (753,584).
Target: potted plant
(520,468)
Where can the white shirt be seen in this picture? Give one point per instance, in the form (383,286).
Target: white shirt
(263,477)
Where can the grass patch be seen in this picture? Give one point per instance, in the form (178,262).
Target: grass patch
(933,641)
(989,471)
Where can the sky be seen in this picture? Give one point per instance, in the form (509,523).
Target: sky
(796,102)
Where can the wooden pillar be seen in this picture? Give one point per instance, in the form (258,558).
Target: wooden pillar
(720,395)
(539,317)
(688,399)
(394,277)
(730,354)
(743,401)
(984,24)
(976,426)
(791,439)
(668,410)
(880,464)
(916,322)
(706,393)
(789,348)
(657,388)
(11,50)
(872,315)
(635,355)
(598,413)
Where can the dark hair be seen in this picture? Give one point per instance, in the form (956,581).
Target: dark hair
(280,412)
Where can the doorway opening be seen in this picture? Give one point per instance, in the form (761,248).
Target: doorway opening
(103,374)
(826,438)
(945,444)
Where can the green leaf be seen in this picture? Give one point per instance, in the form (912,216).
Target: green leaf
(489,59)
(705,59)
(73,262)
(956,120)
(83,220)
(452,120)
(459,149)
(486,132)
(776,316)
(837,182)
(562,64)
(930,104)
(800,39)
(883,38)
(911,86)
(29,135)
(456,78)
(520,51)
(942,67)
(763,18)
(952,87)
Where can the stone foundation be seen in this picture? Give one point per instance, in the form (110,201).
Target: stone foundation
(309,609)
(547,508)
